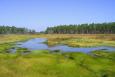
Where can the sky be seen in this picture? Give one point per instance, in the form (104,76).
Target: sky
(40,14)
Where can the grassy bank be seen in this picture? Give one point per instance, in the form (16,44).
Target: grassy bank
(14,38)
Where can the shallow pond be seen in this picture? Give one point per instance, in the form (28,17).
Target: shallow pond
(37,44)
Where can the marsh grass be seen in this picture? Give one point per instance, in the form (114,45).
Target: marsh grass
(84,42)
(81,40)
(22,51)
(75,64)
(4,48)
(41,63)
(75,40)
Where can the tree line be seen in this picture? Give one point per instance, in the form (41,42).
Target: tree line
(14,30)
(93,28)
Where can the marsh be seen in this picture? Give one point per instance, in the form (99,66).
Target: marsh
(38,44)
(29,56)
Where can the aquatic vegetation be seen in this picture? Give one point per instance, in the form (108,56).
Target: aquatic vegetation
(4,48)
(22,50)
(104,54)
(39,51)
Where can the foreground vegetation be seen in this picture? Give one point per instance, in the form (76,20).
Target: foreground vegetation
(95,64)
(44,63)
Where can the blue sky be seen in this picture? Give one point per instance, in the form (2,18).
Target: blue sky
(39,14)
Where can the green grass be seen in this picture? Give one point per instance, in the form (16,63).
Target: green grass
(4,48)
(58,65)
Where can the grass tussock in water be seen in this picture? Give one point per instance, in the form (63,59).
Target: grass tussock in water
(4,48)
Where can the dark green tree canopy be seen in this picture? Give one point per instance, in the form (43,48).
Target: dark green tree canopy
(14,30)
(93,28)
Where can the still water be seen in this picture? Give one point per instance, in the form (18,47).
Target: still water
(37,44)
